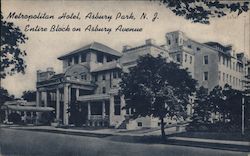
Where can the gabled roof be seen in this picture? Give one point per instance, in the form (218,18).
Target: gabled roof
(94,46)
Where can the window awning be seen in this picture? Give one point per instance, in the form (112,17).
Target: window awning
(96,97)
(29,108)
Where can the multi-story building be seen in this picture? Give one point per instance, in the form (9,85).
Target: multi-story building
(210,63)
(91,77)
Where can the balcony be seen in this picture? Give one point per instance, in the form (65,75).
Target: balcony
(99,117)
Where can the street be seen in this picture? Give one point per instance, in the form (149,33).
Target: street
(25,143)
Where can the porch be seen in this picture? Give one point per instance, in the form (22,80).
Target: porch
(96,108)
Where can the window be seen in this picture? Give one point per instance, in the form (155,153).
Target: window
(169,42)
(198,49)
(95,78)
(178,57)
(114,74)
(219,58)
(230,78)
(224,60)
(191,59)
(205,59)
(139,124)
(103,77)
(189,46)
(109,59)
(185,58)
(103,90)
(176,40)
(84,77)
(76,60)
(100,58)
(69,61)
(219,75)
(83,57)
(119,74)
(117,105)
(223,76)
(227,77)
(205,76)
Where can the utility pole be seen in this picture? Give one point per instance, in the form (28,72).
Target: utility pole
(242,117)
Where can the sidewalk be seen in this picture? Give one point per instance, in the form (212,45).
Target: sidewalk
(241,143)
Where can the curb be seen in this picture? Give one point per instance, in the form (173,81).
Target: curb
(220,146)
(88,134)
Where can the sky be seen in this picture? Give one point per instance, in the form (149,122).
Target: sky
(43,48)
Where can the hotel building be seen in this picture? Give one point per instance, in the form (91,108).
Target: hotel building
(91,77)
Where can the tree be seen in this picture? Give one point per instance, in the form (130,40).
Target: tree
(232,108)
(29,95)
(247,98)
(77,116)
(157,88)
(4,96)
(217,101)
(201,108)
(201,10)
(11,56)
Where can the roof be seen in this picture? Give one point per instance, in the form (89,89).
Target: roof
(216,44)
(106,66)
(94,46)
(57,76)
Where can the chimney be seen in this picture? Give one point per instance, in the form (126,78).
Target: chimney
(50,69)
(150,41)
(126,47)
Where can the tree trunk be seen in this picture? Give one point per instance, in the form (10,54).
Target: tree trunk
(163,135)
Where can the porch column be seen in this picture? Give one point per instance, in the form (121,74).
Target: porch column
(79,58)
(38,98)
(6,115)
(77,93)
(123,111)
(89,110)
(103,110)
(111,110)
(57,103)
(25,116)
(45,99)
(66,105)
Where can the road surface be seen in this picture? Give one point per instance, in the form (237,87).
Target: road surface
(29,143)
